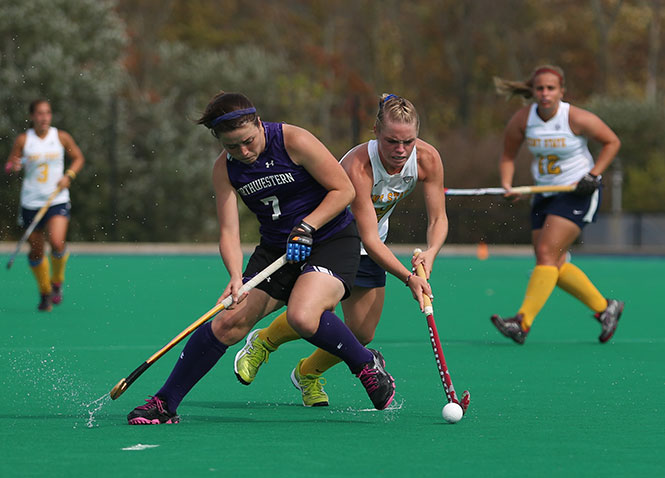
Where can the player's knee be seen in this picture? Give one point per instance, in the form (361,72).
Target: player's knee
(58,247)
(227,331)
(546,255)
(302,322)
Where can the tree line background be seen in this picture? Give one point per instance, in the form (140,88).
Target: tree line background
(126,79)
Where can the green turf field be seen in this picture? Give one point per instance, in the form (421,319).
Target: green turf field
(561,405)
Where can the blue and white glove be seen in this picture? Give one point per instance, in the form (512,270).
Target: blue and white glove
(587,185)
(299,245)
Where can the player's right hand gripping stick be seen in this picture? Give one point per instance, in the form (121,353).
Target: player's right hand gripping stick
(299,245)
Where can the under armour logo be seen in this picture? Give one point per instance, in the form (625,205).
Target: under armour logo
(270,163)
(340,345)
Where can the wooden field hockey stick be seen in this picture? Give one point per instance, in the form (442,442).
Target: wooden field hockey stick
(447,382)
(502,191)
(38,217)
(124,383)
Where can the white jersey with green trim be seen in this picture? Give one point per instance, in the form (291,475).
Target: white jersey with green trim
(389,189)
(560,156)
(43,165)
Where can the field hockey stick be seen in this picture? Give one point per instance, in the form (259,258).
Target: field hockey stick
(447,382)
(124,383)
(33,224)
(502,191)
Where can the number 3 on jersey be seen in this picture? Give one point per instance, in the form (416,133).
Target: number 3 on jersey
(547,164)
(273,202)
(43,173)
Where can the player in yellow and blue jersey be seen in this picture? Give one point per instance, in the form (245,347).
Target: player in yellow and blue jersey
(556,134)
(40,152)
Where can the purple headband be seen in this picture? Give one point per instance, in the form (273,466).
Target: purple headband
(232,115)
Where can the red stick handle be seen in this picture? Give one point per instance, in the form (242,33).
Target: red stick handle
(441,361)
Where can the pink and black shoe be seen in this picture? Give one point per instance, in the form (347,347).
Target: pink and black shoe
(152,413)
(56,293)
(45,303)
(378,383)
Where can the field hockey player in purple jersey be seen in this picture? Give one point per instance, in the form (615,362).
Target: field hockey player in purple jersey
(383,171)
(299,193)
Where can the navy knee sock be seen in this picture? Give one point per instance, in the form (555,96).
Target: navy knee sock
(201,353)
(334,337)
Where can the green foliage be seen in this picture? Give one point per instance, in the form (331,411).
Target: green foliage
(66,51)
(639,126)
(647,185)
(128,90)
(165,160)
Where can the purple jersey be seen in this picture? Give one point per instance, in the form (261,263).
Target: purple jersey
(280,192)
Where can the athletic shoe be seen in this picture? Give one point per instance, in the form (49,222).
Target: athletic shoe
(311,386)
(152,413)
(378,383)
(56,293)
(609,319)
(45,304)
(248,359)
(511,328)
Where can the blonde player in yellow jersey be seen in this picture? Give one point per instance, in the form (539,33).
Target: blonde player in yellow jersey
(383,172)
(40,152)
(556,134)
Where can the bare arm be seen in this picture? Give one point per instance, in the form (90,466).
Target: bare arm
(229,227)
(13,164)
(585,123)
(430,172)
(307,151)
(74,153)
(512,141)
(359,170)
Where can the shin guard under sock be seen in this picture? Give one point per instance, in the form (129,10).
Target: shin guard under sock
(201,353)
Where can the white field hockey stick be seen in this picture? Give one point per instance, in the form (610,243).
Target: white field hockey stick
(447,382)
(502,191)
(33,224)
(124,383)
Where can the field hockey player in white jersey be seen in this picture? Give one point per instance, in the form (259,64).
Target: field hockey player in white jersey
(556,134)
(40,152)
(383,171)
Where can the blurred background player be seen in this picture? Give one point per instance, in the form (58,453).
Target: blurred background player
(383,172)
(299,194)
(40,152)
(556,134)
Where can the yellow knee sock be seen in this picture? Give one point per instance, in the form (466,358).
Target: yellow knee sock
(58,270)
(278,332)
(542,283)
(41,271)
(318,362)
(577,284)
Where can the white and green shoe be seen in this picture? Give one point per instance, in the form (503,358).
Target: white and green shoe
(311,387)
(250,358)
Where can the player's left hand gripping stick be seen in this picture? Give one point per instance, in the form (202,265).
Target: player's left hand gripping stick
(299,245)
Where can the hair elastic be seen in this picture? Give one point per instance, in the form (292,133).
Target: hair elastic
(383,101)
(548,70)
(232,115)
